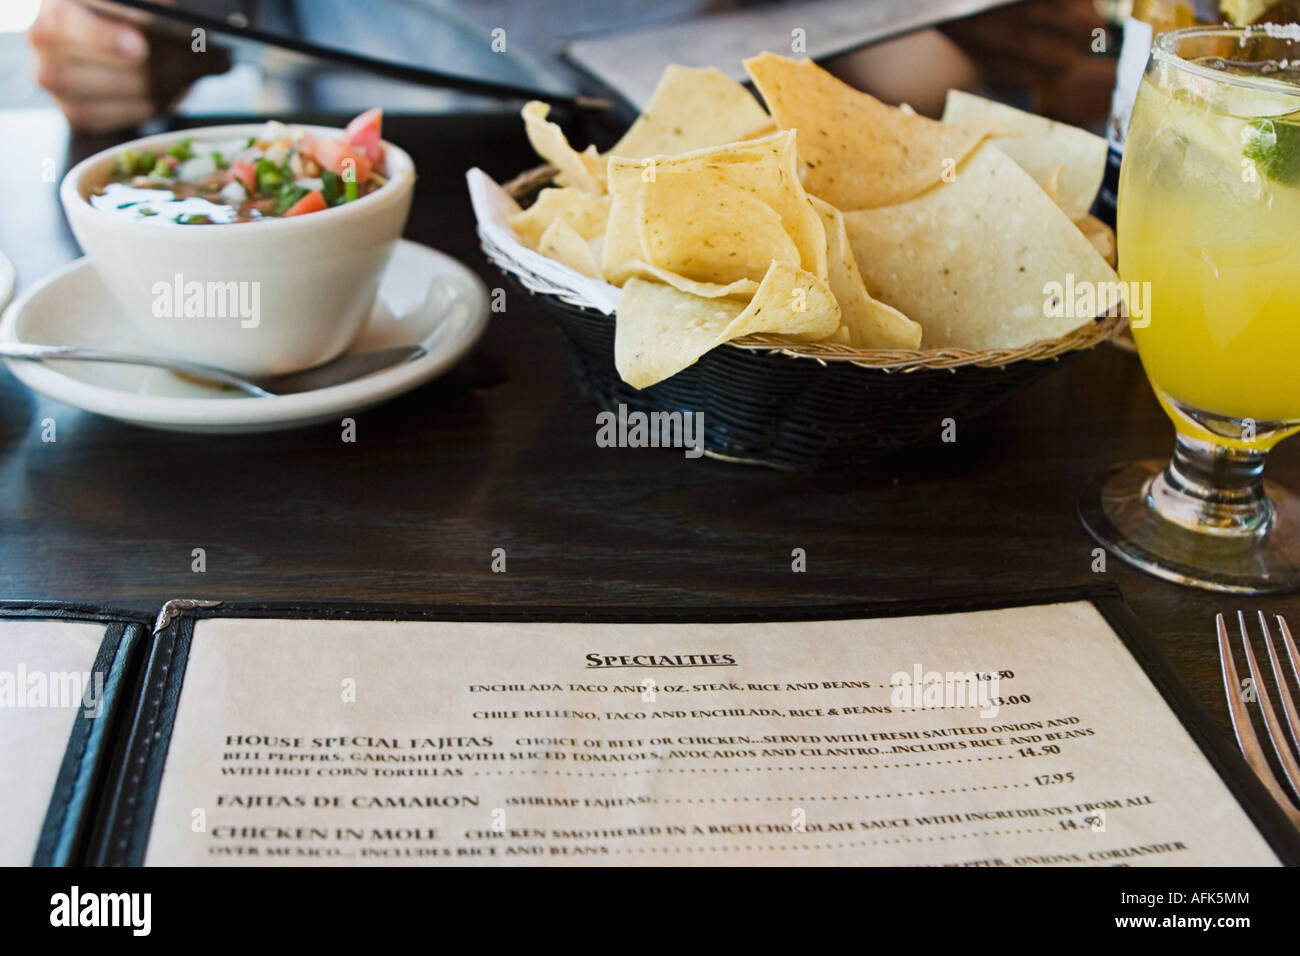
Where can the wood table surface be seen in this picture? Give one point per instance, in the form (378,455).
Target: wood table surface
(501,453)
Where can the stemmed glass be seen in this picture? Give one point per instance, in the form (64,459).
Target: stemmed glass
(1209,233)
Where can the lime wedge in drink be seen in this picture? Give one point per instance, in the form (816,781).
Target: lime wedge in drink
(1274,147)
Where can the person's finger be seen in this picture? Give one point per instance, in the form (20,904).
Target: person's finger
(1007,66)
(1072,21)
(1075,29)
(1066,15)
(1008,75)
(66,29)
(104,115)
(1046,53)
(75,79)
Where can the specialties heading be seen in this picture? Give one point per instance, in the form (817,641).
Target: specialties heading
(661,660)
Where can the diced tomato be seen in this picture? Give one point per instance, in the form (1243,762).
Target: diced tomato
(312,202)
(364,133)
(333,154)
(246,173)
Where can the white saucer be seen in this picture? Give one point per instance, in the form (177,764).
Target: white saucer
(425,297)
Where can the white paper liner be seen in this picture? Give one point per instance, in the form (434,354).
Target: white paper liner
(492,209)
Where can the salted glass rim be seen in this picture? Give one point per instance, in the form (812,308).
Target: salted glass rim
(1165,44)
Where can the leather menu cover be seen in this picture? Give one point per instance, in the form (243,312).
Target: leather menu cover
(67,674)
(362,634)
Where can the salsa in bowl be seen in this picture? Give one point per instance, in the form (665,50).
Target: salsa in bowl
(302,240)
(278,172)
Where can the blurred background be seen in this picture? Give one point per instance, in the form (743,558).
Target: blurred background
(81,56)
(17,73)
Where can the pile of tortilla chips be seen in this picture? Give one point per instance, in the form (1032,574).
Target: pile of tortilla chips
(831,218)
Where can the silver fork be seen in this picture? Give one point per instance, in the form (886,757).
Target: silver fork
(1241,723)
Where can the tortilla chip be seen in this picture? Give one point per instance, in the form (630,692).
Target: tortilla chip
(740,289)
(695,223)
(716,215)
(693,109)
(974,260)
(1052,186)
(864,322)
(584,212)
(1042,146)
(858,152)
(1101,236)
(769,167)
(791,302)
(592,162)
(562,243)
(583,171)
(661,330)
(622,233)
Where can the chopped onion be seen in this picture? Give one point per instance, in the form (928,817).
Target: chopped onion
(196,169)
(274,131)
(228,148)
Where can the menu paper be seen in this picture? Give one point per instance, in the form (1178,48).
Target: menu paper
(1018,737)
(47,681)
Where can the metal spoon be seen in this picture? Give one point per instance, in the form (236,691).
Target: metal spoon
(334,372)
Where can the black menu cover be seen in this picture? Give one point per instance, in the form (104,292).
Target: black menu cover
(128,803)
(71,673)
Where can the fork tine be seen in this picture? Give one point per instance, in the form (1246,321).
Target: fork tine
(1244,730)
(1291,651)
(1266,708)
(1284,688)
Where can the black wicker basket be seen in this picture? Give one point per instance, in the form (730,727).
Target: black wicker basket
(787,411)
(809,407)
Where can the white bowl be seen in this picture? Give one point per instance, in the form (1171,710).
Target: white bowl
(305,285)
(425,298)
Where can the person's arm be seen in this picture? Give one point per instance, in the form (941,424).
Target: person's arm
(1047,47)
(1043,47)
(97,69)
(917,69)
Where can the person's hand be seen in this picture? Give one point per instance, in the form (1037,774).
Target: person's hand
(97,69)
(1027,44)
(1047,48)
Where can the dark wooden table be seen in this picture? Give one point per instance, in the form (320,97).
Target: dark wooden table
(501,453)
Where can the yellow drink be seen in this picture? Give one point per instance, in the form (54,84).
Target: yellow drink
(1209,238)
(1204,221)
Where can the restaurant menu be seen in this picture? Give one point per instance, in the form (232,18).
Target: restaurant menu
(1025,736)
(47,682)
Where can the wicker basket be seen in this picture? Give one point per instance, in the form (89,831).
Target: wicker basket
(814,406)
